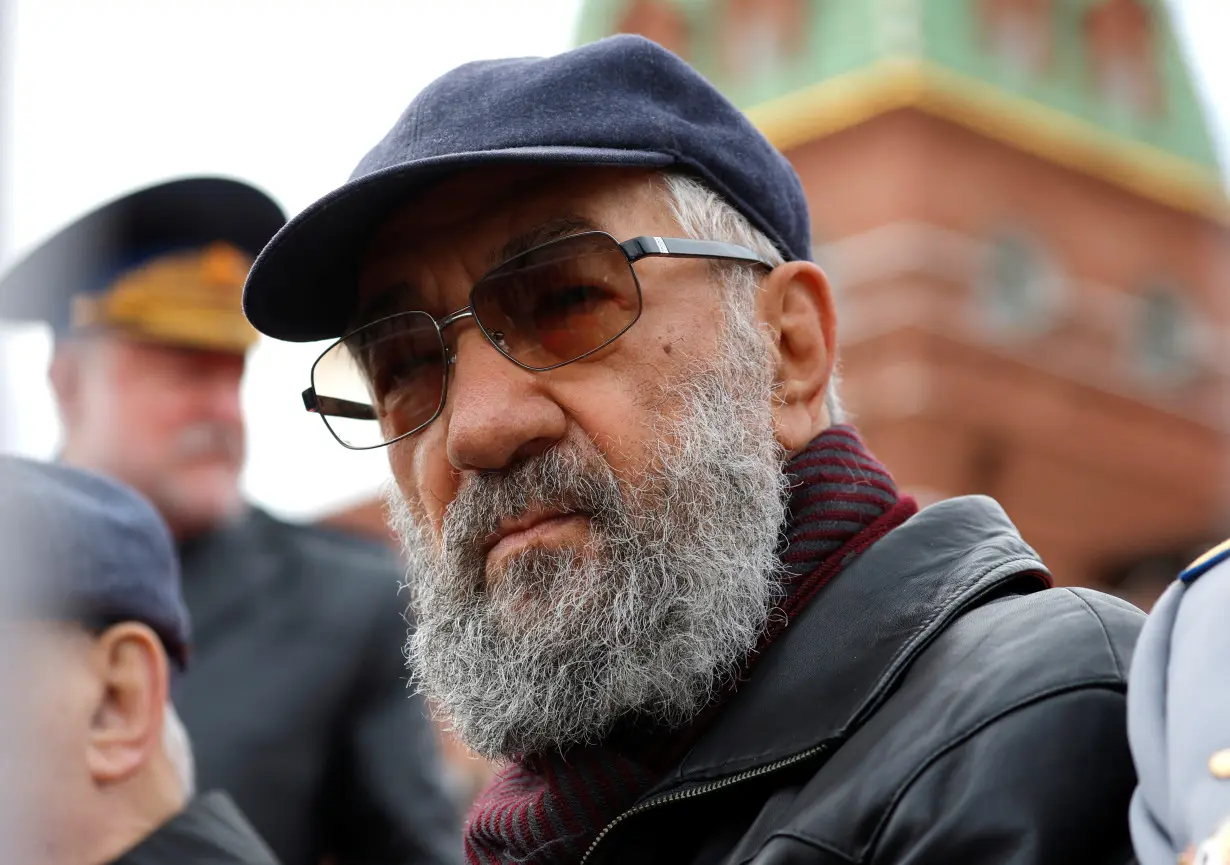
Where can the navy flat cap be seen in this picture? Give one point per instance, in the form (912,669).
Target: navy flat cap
(621,101)
(89,259)
(75,546)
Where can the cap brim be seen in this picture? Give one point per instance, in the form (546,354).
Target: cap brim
(183,212)
(302,287)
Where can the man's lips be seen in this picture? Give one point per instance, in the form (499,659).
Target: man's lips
(533,525)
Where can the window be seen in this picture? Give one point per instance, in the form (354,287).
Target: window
(658,20)
(756,48)
(1122,57)
(1018,33)
(1125,86)
(1023,284)
(1165,335)
(759,34)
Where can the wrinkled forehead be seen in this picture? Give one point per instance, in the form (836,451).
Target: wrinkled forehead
(429,252)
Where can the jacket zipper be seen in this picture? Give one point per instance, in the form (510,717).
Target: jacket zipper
(701,790)
(693,792)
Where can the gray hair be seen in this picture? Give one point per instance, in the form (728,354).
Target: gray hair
(705,215)
(178,748)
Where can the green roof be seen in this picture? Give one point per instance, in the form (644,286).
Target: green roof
(846,37)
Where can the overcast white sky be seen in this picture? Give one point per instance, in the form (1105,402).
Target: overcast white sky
(106,95)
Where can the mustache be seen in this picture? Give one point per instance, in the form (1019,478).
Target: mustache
(209,440)
(570,477)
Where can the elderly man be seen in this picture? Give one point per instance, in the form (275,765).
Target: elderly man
(297,700)
(103,766)
(1179,720)
(653,570)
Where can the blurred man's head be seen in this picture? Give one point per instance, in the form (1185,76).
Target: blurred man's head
(144,295)
(164,418)
(584,321)
(104,760)
(97,754)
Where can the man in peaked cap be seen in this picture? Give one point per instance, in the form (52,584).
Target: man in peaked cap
(147,287)
(101,763)
(1178,720)
(297,700)
(652,569)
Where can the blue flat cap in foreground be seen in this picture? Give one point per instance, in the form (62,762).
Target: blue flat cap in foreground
(621,101)
(76,546)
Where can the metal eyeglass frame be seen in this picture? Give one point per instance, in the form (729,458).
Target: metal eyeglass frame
(645,246)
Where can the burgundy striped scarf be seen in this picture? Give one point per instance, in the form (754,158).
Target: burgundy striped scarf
(548,809)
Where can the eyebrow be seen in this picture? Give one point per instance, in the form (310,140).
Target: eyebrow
(388,301)
(553,229)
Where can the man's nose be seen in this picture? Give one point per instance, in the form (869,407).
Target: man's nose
(497,413)
(223,398)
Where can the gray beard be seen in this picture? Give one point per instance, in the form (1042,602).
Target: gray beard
(651,618)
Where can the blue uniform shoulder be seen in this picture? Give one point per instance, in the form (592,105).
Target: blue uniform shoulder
(1213,557)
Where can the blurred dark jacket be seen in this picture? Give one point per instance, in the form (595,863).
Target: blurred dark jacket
(210,831)
(297,700)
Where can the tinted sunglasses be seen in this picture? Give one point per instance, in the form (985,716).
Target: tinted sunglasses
(549,306)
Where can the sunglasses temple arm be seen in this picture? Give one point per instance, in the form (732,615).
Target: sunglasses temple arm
(334,407)
(648,245)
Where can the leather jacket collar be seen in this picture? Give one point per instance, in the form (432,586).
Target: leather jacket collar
(842,655)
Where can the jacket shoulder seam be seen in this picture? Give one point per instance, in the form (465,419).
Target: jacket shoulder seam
(1110,644)
(955,603)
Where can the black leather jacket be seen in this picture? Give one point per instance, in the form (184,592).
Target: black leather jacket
(934,704)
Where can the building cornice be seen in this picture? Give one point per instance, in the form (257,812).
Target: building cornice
(848,100)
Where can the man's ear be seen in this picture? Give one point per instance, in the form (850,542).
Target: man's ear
(65,377)
(796,304)
(126,725)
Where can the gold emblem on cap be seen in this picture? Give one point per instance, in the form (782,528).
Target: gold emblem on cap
(192,298)
(1219,764)
(225,266)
